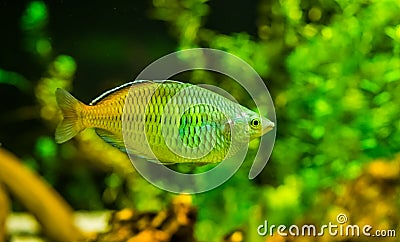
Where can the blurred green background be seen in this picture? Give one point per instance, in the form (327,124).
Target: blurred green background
(332,67)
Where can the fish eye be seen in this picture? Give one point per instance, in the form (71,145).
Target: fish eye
(255,123)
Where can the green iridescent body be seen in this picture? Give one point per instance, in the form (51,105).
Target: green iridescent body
(169,121)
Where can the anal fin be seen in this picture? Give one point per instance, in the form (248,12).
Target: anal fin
(111,138)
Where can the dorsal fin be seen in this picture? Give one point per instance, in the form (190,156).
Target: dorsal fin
(137,82)
(109,92)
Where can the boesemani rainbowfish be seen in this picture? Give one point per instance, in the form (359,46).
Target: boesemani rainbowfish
(167,121)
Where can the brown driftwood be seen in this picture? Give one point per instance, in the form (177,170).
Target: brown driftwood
(52,212)
(175,224)
(4,207)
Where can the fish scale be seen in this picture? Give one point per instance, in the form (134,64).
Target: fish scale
(167,121)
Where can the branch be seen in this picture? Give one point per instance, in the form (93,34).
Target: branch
(4,207)
(50,209)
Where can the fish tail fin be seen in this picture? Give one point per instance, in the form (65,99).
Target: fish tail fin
(71,109)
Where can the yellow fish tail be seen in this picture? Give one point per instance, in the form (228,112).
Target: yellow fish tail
(71,109)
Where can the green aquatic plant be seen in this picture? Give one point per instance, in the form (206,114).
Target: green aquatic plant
(334,70)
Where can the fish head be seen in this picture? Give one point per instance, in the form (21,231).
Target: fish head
(258,126)
(250,125)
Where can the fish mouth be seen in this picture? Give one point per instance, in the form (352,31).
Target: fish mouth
(267,126)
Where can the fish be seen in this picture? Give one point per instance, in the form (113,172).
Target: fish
(164,121)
